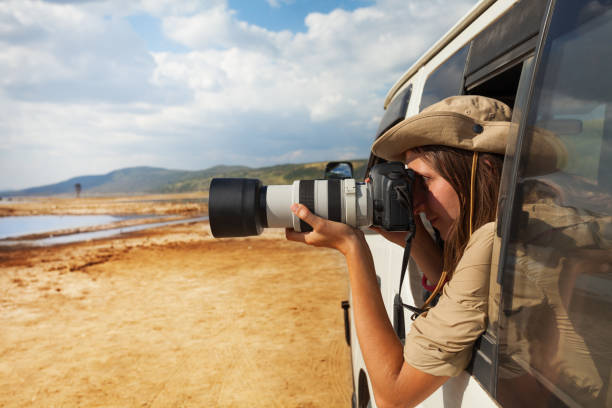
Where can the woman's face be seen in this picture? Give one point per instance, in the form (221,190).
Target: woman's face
(433,195)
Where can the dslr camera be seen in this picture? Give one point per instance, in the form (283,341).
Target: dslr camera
(240,207)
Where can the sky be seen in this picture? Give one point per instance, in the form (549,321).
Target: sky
(91,86)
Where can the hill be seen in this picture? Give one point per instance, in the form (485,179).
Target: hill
(280,174)
(129,180)
(159,180)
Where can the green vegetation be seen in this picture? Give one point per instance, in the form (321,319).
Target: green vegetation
(281,174)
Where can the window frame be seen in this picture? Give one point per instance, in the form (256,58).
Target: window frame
(484,366)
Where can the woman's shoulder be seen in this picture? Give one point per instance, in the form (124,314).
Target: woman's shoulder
(478,251)
(484,233)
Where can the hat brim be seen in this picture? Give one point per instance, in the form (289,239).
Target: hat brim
(547,152)
(442,128)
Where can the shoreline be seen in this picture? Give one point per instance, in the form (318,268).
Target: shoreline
(146,209)
(153,204)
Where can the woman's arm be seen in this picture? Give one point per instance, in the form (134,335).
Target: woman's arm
(395,382)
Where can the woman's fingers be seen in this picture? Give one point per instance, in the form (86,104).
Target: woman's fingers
(293,235)
(305,215)
(324,232)
(398,237)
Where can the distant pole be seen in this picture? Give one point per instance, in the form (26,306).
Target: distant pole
(77,189)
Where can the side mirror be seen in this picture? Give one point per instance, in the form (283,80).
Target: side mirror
(338,170)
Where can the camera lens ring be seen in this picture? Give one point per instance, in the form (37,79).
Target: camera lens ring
(334,194)
(307,197)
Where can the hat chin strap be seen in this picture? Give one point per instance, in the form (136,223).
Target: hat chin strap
(444,275)
(472,188)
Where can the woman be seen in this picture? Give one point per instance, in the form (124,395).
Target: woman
(455,146)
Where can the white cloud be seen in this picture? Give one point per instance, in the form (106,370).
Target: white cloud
(218,28)
(72,55)
(79,83)
(162,8)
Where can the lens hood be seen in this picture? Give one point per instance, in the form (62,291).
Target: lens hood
(235,207)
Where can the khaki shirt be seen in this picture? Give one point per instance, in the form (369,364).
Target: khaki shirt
(440,342)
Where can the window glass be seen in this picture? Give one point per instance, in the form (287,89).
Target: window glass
(396,111)
(556,314)
(446,80)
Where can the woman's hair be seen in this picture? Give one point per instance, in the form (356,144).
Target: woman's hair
(455,165)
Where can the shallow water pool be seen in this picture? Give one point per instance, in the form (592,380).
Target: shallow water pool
(13,227)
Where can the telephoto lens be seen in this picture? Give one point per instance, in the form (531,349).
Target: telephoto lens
(243,207)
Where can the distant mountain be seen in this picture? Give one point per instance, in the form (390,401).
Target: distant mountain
(158,180)
(130,180)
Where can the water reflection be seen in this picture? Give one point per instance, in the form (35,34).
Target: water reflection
(11,227)
(86,236)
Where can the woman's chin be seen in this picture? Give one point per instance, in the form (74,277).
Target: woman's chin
(443,230)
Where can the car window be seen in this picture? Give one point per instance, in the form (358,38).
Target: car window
(446,80)
(396,111)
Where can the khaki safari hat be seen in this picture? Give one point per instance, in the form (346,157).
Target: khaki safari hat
(469,122)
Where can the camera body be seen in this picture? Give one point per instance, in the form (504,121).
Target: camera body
(391,185)
(243,207)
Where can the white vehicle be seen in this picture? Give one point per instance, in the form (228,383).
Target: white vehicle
(547,344)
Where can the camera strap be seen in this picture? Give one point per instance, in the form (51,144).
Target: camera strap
(415,310)
(404,198)
(406,258)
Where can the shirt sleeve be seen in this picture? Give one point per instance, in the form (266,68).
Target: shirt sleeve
(440,342)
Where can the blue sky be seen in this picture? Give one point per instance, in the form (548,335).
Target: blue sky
(90,86)
(289,15)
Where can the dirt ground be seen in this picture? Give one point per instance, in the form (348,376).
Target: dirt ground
(173,317)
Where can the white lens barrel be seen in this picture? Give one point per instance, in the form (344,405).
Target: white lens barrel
(350,202)
(363,203)
(321,199)
(339,200)
(278,206)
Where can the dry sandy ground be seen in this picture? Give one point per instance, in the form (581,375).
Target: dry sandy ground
(173,317)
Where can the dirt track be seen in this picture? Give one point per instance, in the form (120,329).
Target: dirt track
(172,317)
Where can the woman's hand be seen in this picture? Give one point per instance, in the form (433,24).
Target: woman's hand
(324,233)
(397,237)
